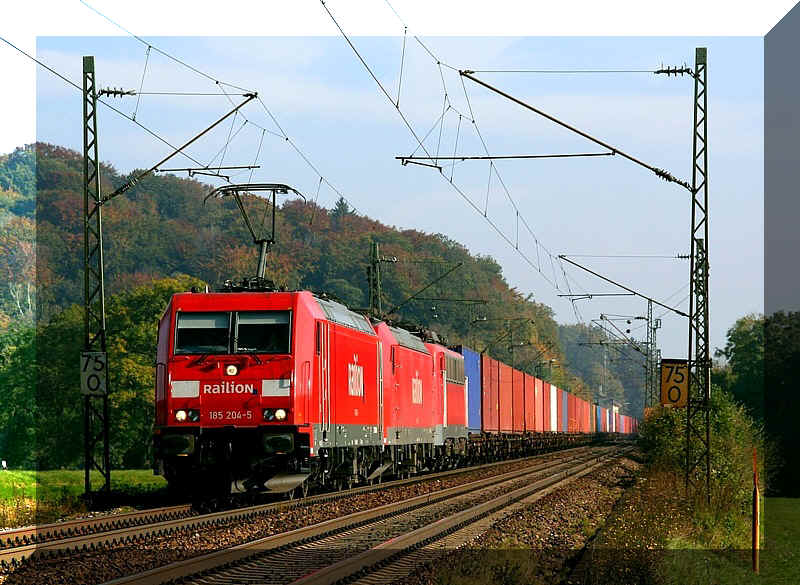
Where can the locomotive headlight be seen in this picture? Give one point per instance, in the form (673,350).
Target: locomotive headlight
(269,414)
(180,415)
(231,370)
(280,414)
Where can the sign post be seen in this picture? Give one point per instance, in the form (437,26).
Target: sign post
(756,515)
(674,383)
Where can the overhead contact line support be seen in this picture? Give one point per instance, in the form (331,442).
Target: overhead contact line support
(698,409)
(622,286)
(411,159)
(661,173)
(94,363)
(122,189)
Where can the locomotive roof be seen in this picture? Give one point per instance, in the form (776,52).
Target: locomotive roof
(340,314)
(406,339)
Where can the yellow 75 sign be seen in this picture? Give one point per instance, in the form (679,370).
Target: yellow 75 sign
(674,383)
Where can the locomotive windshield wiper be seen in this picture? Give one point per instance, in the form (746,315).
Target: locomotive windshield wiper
(250,352)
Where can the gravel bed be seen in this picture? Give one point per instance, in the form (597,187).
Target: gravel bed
(117,561)
(296,562)
(541,543)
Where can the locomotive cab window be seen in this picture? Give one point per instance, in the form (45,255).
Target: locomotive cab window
(262,332)
(202,333)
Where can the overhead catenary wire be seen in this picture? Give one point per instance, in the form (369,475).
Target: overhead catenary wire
(100,100)
(164,53)
(374,77)
(141,83)
(402,65)
(222,84)
(258,153)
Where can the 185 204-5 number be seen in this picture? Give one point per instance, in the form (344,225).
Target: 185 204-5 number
(230,415)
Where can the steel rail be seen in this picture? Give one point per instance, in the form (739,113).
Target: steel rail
(110,534)
(399,557)
(39,533)
(324,531)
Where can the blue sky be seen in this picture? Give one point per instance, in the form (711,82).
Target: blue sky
(331,108)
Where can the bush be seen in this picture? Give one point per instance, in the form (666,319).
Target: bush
(734,435)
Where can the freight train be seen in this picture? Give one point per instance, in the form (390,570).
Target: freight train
(264,390)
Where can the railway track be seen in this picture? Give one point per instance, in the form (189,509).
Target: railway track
(63,538)
(374,544)
(41,533)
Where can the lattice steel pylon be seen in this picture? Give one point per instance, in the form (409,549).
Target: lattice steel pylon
(653,359)
(95,405)
(374,278)
(698,411)
(650,372)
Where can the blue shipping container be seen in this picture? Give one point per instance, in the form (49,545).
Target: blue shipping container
(599,427)
(472,370)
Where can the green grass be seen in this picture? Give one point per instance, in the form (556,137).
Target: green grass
(780,554)
(49,485)
(30,497)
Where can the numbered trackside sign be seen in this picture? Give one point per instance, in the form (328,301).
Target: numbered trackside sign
(94,373)
(674,382)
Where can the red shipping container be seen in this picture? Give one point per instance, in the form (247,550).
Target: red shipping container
(518,400)
(572,414)
(584,419)
(560,410)
(546,407)
(587,417)
(491,396)
(506,406)
(539,404)
(530,403)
